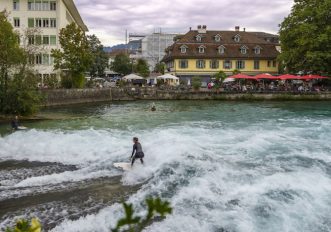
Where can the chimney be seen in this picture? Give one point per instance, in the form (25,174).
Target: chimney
(202,29)
(190,28)
(237,28)
(244,29)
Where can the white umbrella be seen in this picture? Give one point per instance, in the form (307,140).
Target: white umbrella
(227,80)
(169,77)
(132,76)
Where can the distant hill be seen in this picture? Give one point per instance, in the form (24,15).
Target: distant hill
(115,47)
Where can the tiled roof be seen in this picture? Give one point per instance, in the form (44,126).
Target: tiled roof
(232,49)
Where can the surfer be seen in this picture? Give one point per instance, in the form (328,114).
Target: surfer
(15,124)
(153,108)
(137,152)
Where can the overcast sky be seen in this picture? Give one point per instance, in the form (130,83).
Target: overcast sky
(109,19)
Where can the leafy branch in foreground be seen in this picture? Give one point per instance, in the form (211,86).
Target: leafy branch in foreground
(26,226)
(131,223)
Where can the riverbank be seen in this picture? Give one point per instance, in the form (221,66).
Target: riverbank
(80,96)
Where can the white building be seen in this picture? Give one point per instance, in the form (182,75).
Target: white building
(47,18)
(153,47)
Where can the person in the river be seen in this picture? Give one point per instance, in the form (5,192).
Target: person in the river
(137,152)
(15,124)
(153,108)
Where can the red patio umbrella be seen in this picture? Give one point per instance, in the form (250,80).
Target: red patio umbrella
(243,76)
(289,77)
(311,77)
(266,76)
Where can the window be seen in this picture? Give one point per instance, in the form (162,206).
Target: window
(38,5)
(45,22)
(31,5)
(51,60)
(183,49)
(199,38)
(243,50)
(39,59)
(53,5)
(38,40)
(46,40)
(31,59)
(183,64)
(269,63)
(45,5)
(227,64)
(16,5)
(256,64)
(53,22)
(16,22)
(274,63)
(217,38)
(31,39)
(202,49)
(240,64)
(214,64)
(45,59)
(38,22)
(30,22)
(237,38)
(201,64)
(52,40)
(221,49)
(257,50)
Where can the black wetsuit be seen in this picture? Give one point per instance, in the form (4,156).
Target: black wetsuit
(137,153)
(15,124)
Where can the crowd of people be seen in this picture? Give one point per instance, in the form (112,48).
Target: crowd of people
(275,86)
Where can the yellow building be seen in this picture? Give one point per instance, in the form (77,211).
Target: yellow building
(204,53)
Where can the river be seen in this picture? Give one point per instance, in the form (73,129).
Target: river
(223,166)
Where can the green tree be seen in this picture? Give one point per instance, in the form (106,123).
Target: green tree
(122,64)
(18,82)
(305,37)
(141,67)
(75,56)
(236,71)
(132,223)
(160,68)
(99,57)
(196,82)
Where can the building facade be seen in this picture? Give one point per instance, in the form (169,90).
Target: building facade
(204,53)
(40,22)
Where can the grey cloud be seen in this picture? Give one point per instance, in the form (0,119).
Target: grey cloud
(109,19)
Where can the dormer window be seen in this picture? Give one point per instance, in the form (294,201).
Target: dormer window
(217,38)
(221,49)
(198,38)
(183,49)
(237,38)
(202,49)
(257,50)
(243,50)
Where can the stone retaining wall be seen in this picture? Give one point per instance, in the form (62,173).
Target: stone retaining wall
(79,96)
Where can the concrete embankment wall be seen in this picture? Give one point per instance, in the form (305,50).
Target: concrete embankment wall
(79,96)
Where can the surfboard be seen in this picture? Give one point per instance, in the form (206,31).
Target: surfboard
(124,166)
(22,128)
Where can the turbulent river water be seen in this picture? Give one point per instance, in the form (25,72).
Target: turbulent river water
(223,166)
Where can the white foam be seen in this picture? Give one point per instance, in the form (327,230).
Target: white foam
(261,177)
